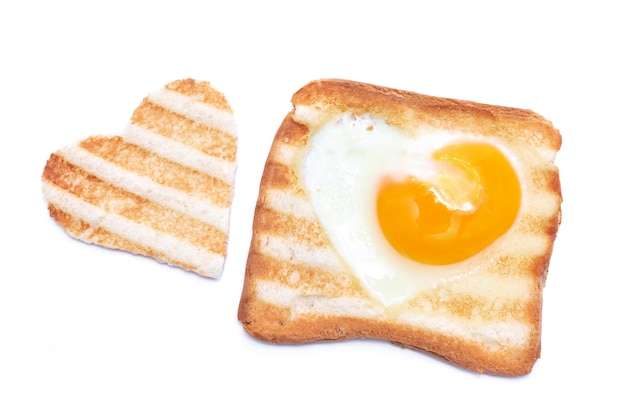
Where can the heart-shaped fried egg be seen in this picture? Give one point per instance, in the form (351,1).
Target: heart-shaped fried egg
(407,211)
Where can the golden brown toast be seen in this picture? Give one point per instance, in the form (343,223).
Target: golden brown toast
(482,313)
(162,188)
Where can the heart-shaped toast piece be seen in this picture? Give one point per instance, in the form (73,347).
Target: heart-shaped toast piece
(162,188)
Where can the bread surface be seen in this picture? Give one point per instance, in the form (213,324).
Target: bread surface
(297,288)
(161,188)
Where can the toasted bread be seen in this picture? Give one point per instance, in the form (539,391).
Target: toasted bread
(162,188)
(485,317)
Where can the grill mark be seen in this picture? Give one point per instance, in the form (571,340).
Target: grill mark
(202,92)
(93,190)
(516,266)
(161,170)
(546,179)
(74,226)
(272,222)
(278,176)
(79,228)
(304,278)
(530,223)
(292,132)
(476,308)
(204,138)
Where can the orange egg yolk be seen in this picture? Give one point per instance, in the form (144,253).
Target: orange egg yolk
(474,199)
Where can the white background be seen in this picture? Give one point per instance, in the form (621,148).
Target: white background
(88,332)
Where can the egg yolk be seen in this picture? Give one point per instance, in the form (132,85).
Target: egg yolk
(473,200)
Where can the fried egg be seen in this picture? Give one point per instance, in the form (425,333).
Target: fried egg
(408,211)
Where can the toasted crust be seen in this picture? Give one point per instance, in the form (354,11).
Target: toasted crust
(297,289)
(162,188)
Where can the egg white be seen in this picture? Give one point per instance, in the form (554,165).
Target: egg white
(348,158)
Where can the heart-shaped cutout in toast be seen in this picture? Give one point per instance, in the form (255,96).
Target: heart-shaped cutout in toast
(162,188)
